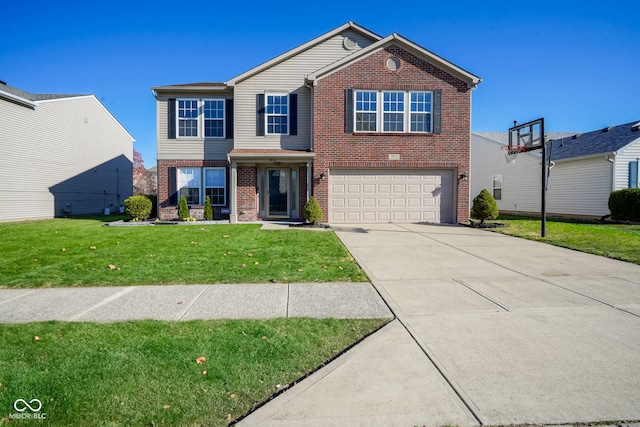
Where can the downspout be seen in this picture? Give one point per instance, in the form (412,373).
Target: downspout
(611,158)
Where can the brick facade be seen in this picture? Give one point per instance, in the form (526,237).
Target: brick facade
(334,148)
(247,192)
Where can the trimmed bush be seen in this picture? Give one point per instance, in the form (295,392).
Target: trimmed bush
(312,211)
(484,207)
(208,209)
(183,209)
(625,204)
(138,207)
(154,205)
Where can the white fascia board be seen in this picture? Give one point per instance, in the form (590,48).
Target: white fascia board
(190,88)
(18,99)
(435,60)
(301,48)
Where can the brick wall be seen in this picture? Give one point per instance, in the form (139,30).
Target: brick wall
(336,149)
(247,191)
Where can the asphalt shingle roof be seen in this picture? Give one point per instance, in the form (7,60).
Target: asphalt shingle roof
(34,96)
(600,141)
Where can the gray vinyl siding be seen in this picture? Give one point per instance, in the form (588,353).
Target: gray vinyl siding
(63,151)
(286,77)
(580,187)
(627,154)
(187,148)
(520,181)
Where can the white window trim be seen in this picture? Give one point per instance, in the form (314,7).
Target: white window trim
(224,186)
(199,112)
(494,188)
(224,118)
(267,115)
(380,111)
(180,187)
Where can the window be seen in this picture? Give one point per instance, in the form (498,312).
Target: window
(393,112)
(188,117)
(214,118)
(391,115)
(420,112)
(277,113)
(189,184)
(214,185)
(497,187)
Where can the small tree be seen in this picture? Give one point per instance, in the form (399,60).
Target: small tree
(312,211)
(484,206)
(208,209)
(183,209)
(138,207)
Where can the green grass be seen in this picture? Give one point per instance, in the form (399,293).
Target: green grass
(126,373)
(618,241)
(79,252)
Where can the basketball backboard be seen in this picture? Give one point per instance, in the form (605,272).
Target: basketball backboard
(528,136)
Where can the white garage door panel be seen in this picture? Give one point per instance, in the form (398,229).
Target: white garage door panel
(391,196)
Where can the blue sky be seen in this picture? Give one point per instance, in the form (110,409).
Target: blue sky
(574,63)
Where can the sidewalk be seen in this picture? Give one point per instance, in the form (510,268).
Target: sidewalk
(188,302)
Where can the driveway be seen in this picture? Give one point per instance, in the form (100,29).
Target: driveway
(490,329)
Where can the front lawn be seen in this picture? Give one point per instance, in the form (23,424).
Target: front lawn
(197,373)
(85,252)
(616,241)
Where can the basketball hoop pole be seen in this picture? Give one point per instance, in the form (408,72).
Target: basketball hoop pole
(543,198)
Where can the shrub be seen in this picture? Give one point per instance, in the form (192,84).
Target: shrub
(625,204)
(138,207)
(484,206)
(208,210)
(154,205)
(312,211)
(183,209)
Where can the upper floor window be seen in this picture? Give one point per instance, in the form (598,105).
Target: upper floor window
(277,114)
(214,118)
(188,117)
(393,111)
(198,118)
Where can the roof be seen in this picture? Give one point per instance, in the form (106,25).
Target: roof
(435,60)
(193,87)
(269,155)
(26,98)
(348,26)
(503,137)
(601,141)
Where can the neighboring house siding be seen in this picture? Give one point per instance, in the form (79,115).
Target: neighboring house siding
(580,187)
(187,148)
(287,76)
(337,149)
(629,153)
(64,151)
(520,181)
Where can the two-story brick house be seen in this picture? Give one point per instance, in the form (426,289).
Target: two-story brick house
(377,129)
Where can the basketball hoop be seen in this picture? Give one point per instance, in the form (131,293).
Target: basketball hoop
(510,153)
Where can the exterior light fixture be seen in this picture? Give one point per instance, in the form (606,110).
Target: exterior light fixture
(463,177)
(323,176)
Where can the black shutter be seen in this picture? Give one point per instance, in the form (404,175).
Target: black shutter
(172,185)
(260,114)
(293,114)
(437,111)
(171,108)
(228,114)
(348,110)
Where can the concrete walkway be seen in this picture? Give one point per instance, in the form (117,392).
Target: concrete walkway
(188,302)
(490,330)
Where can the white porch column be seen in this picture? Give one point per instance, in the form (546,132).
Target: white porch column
(233,198)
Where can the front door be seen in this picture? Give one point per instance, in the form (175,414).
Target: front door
(278,182)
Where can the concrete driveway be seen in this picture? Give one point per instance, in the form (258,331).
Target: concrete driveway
(490,330)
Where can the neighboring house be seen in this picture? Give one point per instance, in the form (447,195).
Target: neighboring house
(376,129)
(587,167)
(60,155)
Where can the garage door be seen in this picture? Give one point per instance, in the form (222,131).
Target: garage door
(373,196)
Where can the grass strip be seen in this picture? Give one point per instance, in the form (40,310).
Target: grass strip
(617,241)
(84,252)
(152,373)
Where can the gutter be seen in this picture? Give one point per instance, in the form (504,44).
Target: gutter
(18,99)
